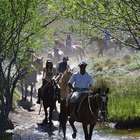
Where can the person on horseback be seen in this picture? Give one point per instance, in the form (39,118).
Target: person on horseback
(80,84)
(80,81)
(62,66)
(49,73)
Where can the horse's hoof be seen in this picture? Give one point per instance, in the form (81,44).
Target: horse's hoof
(74,135)
(45,121)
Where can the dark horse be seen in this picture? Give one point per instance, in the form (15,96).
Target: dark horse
(49,98)
(86,111)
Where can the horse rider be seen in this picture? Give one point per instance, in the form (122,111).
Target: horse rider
(63,65)
(49,73)
(81,81)
(80,84)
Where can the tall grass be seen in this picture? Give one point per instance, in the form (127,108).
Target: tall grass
(123,82)
(124,100)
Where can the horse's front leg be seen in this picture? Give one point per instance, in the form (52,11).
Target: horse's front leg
(50,115)
(85,128)
(90,131)
(46,113)
(63,117)
(22,90)
(26,92)
(62,123)
(31,93)
(71,121)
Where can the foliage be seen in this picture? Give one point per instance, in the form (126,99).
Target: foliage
(120,76)
(121,18)
(16,98)
(124,99)
(23,22)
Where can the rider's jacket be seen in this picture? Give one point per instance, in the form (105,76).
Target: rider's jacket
(81,82)
(61,67)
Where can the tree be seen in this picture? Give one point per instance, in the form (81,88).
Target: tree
(114,15)
(21,24)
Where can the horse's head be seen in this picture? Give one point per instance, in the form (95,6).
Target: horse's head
(68,72)
(103,100)
(99,99)
(50,55)
(63,83)
(101,87)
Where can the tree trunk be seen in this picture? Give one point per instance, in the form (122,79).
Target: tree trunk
(6,104)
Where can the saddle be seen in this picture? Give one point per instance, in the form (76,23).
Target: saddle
(76,97)
(75,101)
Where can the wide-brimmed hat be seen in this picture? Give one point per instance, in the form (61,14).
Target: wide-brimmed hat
(82,63)
(49,62)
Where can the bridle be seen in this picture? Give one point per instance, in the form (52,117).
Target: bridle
(89,103)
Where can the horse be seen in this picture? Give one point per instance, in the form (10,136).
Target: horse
(55,56)
(89,104)
(103,45)
(63,83)
(49,97)
(75,50)
(78,52)
(29,80)
(38,64)
(30,77)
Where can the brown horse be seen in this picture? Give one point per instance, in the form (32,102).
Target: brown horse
(49,98)
(85,111)
(63,83)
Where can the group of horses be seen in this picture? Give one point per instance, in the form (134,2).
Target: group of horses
(75,50)
(29,80)
(90,104)
(102,46)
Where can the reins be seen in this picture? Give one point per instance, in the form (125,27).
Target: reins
(89,104)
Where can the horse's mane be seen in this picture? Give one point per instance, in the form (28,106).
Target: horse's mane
(65,77)
(63,82)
